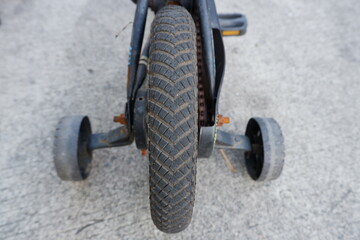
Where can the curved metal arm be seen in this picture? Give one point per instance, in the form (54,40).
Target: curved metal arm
(114,138)
(232,141)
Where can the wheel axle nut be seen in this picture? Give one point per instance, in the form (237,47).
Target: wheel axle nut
(143,152)
(120,119)
(222,120)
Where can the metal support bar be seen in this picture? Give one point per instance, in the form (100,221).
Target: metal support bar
(114,138)
(232,141)
(207,43)
(136,43)
(142,69)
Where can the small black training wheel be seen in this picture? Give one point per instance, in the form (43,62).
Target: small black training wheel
(266,160)
(71,156)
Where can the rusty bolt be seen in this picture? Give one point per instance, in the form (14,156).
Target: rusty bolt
(120,119)
(222,120)
(143,152)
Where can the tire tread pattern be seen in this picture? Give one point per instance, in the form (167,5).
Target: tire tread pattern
(172,118)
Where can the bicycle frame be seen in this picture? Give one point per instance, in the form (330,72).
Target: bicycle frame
(214,66)
(213,55)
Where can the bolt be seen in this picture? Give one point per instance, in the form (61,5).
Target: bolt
(143,152)
(120,119)
(222,120)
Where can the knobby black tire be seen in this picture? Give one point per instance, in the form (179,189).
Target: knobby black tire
(172,118)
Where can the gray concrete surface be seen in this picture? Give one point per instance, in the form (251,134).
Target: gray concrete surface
(299,63)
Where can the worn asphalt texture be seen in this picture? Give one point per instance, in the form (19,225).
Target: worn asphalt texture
(299,63)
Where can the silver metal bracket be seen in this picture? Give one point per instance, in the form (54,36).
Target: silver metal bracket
(231,141)
(118,137)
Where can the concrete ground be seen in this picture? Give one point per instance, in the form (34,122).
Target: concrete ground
(298,63)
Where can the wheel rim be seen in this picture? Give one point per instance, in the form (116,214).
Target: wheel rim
(84,154)
(255,158)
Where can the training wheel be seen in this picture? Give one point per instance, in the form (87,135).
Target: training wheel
(266,160)
(71,156)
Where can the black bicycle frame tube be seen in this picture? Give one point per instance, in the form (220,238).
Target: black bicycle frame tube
(214,59)
(213,51)
(207,43)
(219,52)
(137,37)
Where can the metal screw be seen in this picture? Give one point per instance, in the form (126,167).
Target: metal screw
(120,119)
(143,152)
(222,120)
